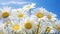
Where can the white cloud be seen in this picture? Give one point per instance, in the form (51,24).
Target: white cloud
(13,2)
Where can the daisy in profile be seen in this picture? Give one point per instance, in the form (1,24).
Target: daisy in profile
(5,13)
(29,6)
(29,25)
(51,16)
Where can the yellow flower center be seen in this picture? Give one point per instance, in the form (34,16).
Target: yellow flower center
(20,15)
(28,25)
(29,7)
(40,15)
(49,16)
(58,28)
(5,14)
(48,29)
(16,27)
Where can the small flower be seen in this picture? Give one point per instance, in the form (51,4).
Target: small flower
(29,6)
(51,16)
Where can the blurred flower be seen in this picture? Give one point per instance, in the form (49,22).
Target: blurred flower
(29,6)
(5,12)
(57,26)
(49,29)
(51,16)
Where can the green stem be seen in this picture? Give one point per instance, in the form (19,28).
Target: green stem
(38,29)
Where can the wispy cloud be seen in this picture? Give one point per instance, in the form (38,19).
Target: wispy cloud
(13,2)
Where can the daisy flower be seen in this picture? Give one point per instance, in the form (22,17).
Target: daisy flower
(5,13)
(51,16)
(29,25)
(29,6)
(39,13)
(16,27)
(19,13)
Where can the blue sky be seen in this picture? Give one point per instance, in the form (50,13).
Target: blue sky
(50,5)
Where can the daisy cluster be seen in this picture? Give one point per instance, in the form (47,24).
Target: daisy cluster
(28,20)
